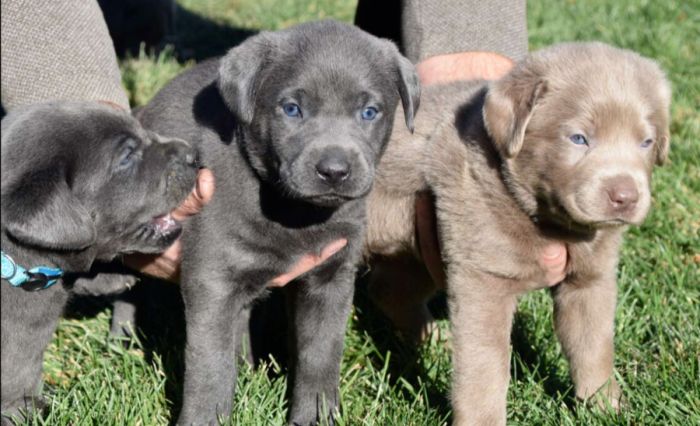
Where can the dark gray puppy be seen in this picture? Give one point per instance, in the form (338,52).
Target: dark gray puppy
(80,182)
(292,123)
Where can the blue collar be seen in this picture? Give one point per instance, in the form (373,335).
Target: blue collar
(38,278)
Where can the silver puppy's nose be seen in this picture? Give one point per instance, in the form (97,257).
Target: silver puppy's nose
(333,169)
(622,192)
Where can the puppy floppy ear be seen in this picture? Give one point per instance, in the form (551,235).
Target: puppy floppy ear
(662,146)
(239,74)
(409,87)
(660,119)
(42,211)
(508,108)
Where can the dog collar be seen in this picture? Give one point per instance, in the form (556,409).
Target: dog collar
(39,278)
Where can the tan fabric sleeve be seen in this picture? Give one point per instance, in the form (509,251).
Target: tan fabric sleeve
(57,50)
(425,28)
(435,27)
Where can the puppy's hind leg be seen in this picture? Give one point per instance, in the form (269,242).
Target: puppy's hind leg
(584,316)
(320,308)
(401,287)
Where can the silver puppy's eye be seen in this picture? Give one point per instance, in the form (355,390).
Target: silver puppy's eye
(369,113)
(128,154)
(291,109)
(647,143)
(578,139)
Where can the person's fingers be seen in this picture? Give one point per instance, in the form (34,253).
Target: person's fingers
(553,260)
(308,262)
(198,198)
(331,249)
(165,266)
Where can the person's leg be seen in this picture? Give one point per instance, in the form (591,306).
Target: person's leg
(57,50)
(439,27)
(451,39)
(380,18)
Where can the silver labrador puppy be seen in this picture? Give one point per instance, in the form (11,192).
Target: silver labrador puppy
(292,123)
(80,182)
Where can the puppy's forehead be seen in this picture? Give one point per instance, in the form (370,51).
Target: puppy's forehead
(601,116)
(598,86)
(614,119)
(334,76)
(65,125)
(594,72)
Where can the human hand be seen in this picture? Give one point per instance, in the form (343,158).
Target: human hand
(463,66)
(166,265)
(553,260)
(308,262)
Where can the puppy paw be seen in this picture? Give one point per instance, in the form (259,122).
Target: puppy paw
(23,411)
(104,284)
(123,319)
(608,398)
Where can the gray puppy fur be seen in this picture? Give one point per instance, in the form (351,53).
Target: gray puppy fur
(290,179)
(80,182)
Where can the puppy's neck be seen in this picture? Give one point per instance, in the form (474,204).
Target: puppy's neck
(294,213)
(254,153)
(30,256)
(545,213)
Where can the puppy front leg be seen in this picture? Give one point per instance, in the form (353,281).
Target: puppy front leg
(319,309)
(211,312)
(481,313)
(28,323)
(584,315)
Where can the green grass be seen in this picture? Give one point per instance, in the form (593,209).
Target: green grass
(385,382)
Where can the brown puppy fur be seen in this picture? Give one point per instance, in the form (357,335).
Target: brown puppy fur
(508,179)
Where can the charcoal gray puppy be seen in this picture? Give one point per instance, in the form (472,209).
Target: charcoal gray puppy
(292,123)
(80,182)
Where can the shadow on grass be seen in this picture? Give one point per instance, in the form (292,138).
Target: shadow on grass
(199,38)
(160,326)
(534,361)
(158,23)
(404,361)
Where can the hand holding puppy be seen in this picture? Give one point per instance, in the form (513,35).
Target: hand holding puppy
(167,264)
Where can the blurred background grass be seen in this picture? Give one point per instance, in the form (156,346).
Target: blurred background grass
(387,382)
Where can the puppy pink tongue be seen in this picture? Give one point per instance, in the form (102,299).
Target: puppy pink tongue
(164,222)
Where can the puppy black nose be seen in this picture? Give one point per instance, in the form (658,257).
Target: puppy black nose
(622,192)
(333,169)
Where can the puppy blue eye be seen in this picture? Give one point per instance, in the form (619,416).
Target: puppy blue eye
(647,143)
(128,154)
(369,113)
(291,109)
(578,139)
(127,157)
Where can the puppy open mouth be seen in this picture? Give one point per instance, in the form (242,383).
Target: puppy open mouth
(165,225)
(162,229)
